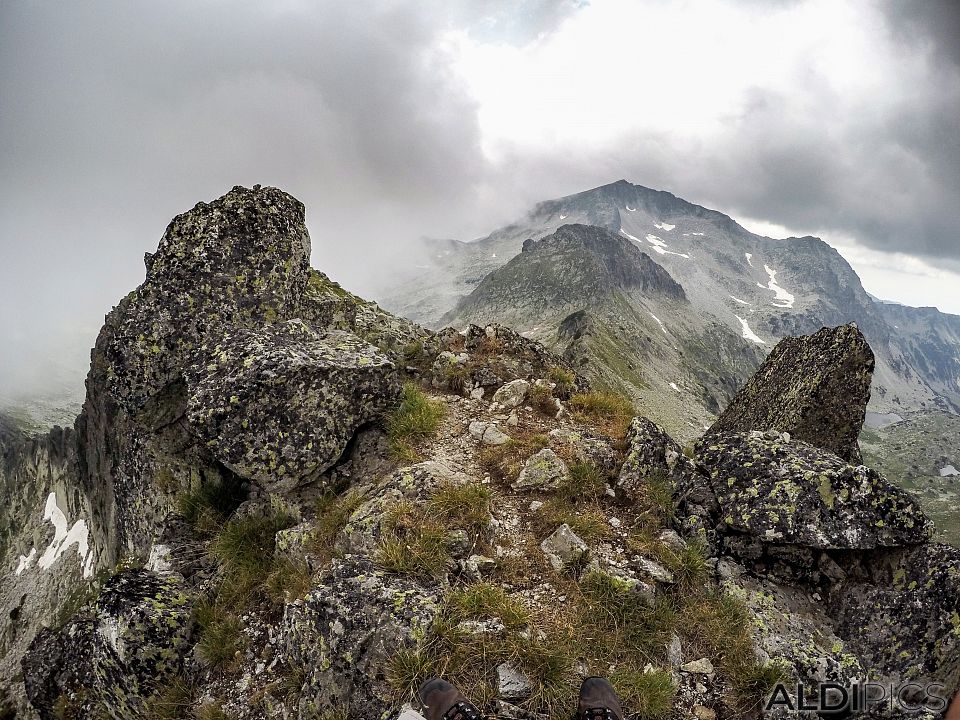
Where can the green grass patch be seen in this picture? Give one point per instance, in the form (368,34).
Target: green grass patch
(650,695)
(504,462)
(416,538)
(609,412)
(207,505)
(413,423)
(333,512)
(563,379)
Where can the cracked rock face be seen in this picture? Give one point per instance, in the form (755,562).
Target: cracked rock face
(345,632)
(278,405)
(792,493)
(816,387)
(243,259)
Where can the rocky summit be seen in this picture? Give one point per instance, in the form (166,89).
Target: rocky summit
(281,501)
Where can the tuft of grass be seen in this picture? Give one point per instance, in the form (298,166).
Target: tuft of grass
(408,669)
(609,412)
(207,505)
(464,506)
(457,378)
(688,565)
(586,519)
(754,684)
(174,701)
(421,552)
(221,636)
(212,711)
(484,601)
(564,380)
(585,482)
(541,398)
(288,580)
(649,694)
(333,512)
(413,423)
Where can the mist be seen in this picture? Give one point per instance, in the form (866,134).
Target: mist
(393,121)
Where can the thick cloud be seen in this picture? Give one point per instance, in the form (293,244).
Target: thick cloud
(395,119)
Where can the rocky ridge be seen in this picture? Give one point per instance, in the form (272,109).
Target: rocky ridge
(299,505)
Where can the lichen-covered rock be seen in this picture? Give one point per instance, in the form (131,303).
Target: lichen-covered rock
(58,668)
(143,629)
(243,259)
(345,632)
(278,405)
(816,387)
(487,433)
(543,470)
(790,492)
(564,548)
(653,456)
(512,393)
(414,485)
(902,615)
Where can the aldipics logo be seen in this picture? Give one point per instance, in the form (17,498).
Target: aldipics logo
(840,701)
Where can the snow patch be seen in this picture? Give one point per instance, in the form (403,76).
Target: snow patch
(749,334)
(26,561)
(659,322)
(736,299)
(674,386)
(64,538)
(664,226)
(630,209)
(750,260)
(661,247)
(948,471)
(563,217)
(784,298)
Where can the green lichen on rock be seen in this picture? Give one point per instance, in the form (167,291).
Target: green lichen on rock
(279,404)
(816,387)
(790,492)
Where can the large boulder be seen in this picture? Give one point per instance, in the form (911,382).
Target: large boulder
(345,632)
(113,657)
(243,259)
(816,387)
(792,493)
(278,404)
(901,613)
(143,632)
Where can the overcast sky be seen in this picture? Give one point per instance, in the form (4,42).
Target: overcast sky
(393,120)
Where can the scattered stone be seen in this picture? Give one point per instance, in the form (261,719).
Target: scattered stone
(701,712)
(512,393)
(477,393)
(703,666)
(512,684)
(535,505)
(478,566)
(487,433)
(564,548)
(815,387)
(655,571)
(672,540)
(543,470)
(513,420)
(675,652)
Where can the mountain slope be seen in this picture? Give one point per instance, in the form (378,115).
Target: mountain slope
(757,288)
(621,318)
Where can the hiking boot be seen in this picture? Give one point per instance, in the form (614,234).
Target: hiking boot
(442,701)
(598,701)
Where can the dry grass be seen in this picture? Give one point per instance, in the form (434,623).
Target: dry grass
(608,412)
(504,462)
(333,512)
(413,423)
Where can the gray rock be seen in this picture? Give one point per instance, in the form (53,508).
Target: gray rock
(675,652)
(143,631)
(278,405)
(655,571)
(703,666)
(564,548)
(795,493)
(542,470)
(512,684)
(487,433)
(511,394)
(346,631)
(815,387)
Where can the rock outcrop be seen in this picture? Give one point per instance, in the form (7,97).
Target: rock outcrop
(815,387)
(789,492)
(279,404)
